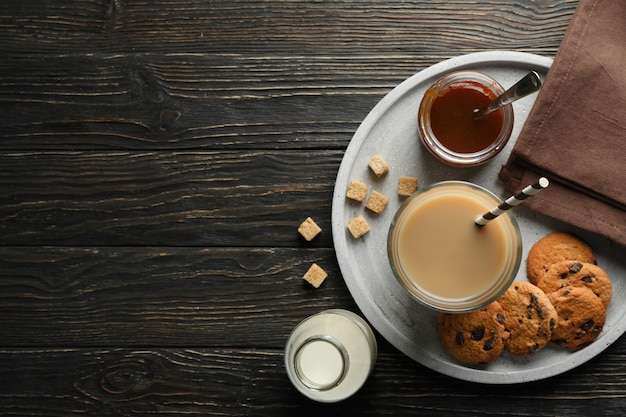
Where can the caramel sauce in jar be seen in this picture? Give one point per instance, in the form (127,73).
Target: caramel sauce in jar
(446,119)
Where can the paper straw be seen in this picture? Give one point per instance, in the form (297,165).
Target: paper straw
(513,201)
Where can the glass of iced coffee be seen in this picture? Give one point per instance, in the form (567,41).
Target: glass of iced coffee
(442,258)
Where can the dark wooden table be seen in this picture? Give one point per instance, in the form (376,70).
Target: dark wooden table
(156,159)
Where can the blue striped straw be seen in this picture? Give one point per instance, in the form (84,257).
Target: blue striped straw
(513,201)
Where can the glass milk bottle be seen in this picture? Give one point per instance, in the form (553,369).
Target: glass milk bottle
(329,355)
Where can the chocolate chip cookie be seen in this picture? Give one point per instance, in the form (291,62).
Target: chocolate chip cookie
(578,274)
(530,318)
(581,317)
(476,337)
(556,247)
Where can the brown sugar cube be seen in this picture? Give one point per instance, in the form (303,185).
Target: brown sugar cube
(357,190)
(376,202)
(358,226)
(407,186)
(309,229)
(315,275)
(378,166)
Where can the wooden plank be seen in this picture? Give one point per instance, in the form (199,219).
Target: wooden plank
(161,198)
(161,296)
(208,102)
(327,27)
(245,382)
(189,102)
(161,124)
(87,75)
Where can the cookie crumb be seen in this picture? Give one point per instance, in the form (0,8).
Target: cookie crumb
(315,275)
(357,190)
(358,226)
(407,186)
(378,166)
(376,202)
(309,229)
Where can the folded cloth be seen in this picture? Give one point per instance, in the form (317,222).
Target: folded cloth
(575,134)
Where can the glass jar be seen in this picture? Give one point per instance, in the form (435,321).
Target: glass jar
(446,122)
(329,355)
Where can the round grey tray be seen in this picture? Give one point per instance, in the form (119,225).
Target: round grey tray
(390,130)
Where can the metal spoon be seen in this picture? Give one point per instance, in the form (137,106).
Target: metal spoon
(527,85)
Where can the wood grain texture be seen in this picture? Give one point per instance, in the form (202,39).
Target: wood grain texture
(119,26)
(161,296)
(250,198)
(252,382)
(156,158)
(187,102)
(233,74)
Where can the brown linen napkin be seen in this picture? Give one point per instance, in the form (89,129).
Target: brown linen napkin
(575,134)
